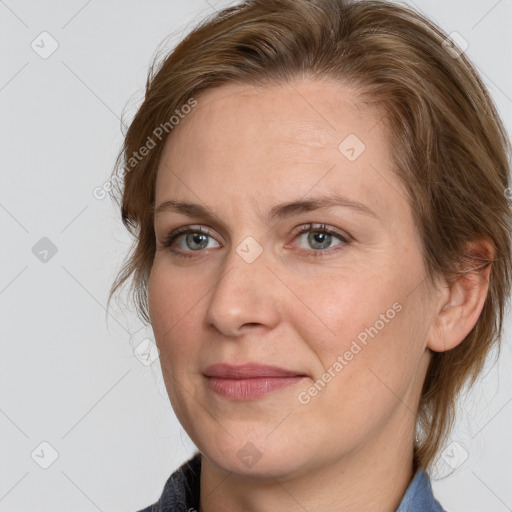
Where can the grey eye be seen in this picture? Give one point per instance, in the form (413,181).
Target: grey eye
(318,239)
(195,241)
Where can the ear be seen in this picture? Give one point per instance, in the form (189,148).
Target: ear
(461,303)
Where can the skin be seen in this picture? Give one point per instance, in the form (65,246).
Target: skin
(240,152)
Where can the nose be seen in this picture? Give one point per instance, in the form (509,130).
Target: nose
(245,296)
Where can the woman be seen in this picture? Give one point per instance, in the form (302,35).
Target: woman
(318,191)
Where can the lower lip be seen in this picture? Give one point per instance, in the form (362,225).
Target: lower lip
(248,389)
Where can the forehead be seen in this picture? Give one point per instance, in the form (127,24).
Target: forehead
(279,139)
(310,112)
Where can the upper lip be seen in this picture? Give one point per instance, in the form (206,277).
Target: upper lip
(248,370)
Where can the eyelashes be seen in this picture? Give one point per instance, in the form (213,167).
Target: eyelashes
(198,235)
(185,230)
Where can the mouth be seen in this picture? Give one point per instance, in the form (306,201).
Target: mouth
(249,381)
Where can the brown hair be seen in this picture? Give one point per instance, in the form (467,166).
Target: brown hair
(450,147)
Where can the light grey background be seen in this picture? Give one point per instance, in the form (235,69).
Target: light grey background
(68,374)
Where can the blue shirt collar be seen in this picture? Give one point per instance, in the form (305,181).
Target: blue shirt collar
(419,496)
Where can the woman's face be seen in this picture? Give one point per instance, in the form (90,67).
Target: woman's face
(331,289)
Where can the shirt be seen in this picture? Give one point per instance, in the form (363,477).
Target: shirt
(181,492)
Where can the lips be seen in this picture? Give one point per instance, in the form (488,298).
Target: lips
(249,381)
(248,371)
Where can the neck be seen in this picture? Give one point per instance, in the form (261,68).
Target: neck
(373,478)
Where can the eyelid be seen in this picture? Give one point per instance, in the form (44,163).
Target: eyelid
(321,226)
(345,240)
(308,226)
(170,236)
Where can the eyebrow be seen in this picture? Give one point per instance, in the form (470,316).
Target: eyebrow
(280,211)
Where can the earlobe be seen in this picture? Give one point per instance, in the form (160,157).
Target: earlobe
(461,304)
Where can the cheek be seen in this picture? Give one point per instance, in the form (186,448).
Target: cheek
(341,308)
(369,319)
(369,365)
(173,307)
(174,311)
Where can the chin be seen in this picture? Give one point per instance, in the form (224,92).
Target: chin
(258,457)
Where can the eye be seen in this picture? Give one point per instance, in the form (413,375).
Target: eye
(319,239)
(188,239)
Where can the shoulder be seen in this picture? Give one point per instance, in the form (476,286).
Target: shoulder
(419,496)
(181,490)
